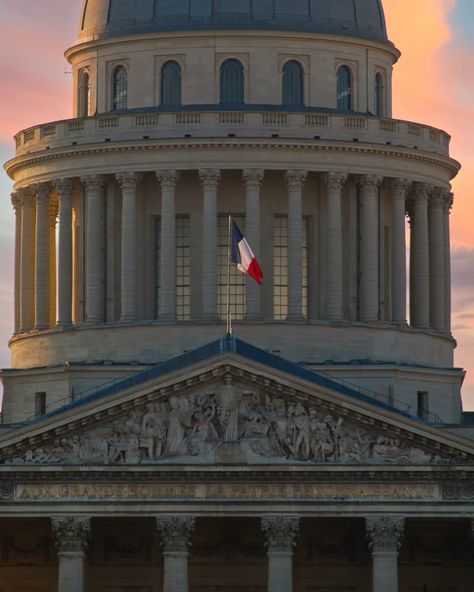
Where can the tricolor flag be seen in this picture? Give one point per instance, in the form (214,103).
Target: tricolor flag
(243,256)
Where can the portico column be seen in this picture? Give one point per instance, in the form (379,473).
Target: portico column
(385,536)
(16,203)
(95,267)
(210,182)
(421,266)
(448,204)
(253,180)
(295,180)
(369,248)
(53,220)
(175,534)
(71,535)
(167,302)
(335,183)
(27,260)
(436,258)
(280,533)
(64,189)
(128,182)
(42,260)
(398,189)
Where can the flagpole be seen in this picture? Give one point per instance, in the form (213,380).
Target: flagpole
(229,314)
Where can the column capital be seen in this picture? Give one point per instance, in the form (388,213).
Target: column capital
(128,180)
(93,181)
(253,178)
(42,193)
(53,211)
(175,531)
(385,533)
(295,178)
(17,201)
(71,534)
(335,181)
(210,178)
(26,196)
(448,202)
(168,178)
(438,197)
(422,192)
(280,532)
(399,187)
(370,181)
(63,187)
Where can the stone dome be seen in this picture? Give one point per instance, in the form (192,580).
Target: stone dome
(115,18)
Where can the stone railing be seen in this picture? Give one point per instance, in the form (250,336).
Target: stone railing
(234,124)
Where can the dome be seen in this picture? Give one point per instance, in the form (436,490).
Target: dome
(115,18)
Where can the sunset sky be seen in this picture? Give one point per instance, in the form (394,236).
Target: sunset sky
(434,84)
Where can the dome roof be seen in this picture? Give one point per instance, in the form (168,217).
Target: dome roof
(116,18)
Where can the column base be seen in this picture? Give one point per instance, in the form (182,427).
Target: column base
(210,318)
(296,318)
(167,318)
(254,317)
(42,327)
(64,325)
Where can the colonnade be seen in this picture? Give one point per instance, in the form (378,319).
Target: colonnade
(384,534)
(39,304)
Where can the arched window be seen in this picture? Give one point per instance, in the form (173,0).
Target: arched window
(84,104)
(171,84)
(379,107)
(120,89)
(232,83)
(293,84)
(344,89)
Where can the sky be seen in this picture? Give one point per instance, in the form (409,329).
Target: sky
(433,84)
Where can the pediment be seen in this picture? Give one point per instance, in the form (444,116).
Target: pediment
(230,413)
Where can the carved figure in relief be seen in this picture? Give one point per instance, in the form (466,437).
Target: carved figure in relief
(228,402)
(155,429)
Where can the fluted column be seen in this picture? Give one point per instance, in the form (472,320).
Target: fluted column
(253,180)
(399,188)
(210,181)
(64,188)
(175,535)
(280,533)
(448,204)
(128,182)
(421,265)
(369,248)
(385,536)
(167,302)
(27,260)
(71,537)
(95,263)
(42,259)
(16,203)
(334,183)
(295,180)
(436,258)
(53,220)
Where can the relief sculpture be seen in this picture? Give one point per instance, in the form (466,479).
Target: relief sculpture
(251,427)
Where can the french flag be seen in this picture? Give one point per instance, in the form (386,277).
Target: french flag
(243,256)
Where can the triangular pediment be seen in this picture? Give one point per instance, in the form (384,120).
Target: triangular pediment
(231,411)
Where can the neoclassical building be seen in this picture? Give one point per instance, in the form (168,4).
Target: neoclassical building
(322,447)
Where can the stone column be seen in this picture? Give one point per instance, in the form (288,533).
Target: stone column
(253,180)
(448,204)
(210,182)
(385,536)
(128,182)
(53,220)
(421,266)
(16,203)
(94,263)
(280,533)
(167,302)
(399,188)
(42,259)
(295,180)
(369,248)
(64,188)
(436,258)
(175,534)
(71,535)
(335,183)
(27,260)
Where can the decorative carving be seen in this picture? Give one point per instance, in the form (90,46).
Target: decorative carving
(6,492)
(210,178)
(253,178)
(228,548)
(280,532)
(370,182)
(438,197)
(25,549)
(175,531)
(16,200)
(168,179)
(26,196)
(42,193)
(128,181)
(458,491)
(385,533)
(422,192)
(399,188)
(93,182)
(71,534)
(335,181)
(448,201)
(295,179)
(63,188)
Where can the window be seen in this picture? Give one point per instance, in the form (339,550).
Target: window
(344,89)
(422,409)
(171,85)
(237,278)
(84,109)
(379,107)
(232,83)
(40,404)
(293,84)
(280,267)
(120,89)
